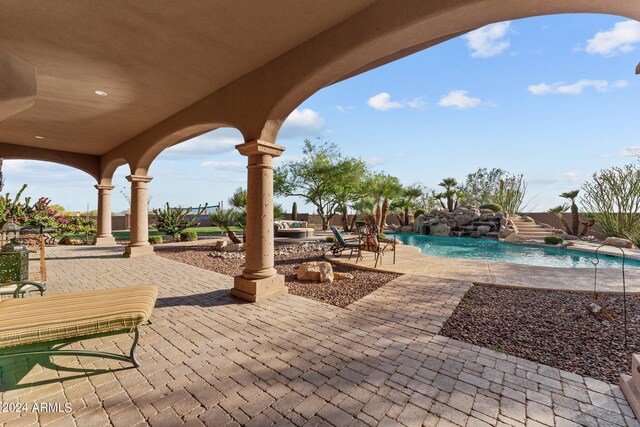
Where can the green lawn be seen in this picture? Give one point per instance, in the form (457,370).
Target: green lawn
(202,231)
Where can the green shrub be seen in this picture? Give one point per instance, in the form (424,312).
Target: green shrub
(553,240)
(155,240)
(382,236)
(329,239)
(418,212)
(494,207)
(188,236)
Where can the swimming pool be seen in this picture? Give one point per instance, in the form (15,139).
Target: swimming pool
(493,250)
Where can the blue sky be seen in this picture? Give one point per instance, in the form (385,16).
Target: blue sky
(554,98)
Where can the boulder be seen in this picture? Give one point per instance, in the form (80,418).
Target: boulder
(316,271)
(461,211)
(235,247)
(502,234)
(440,230)
(483,229)
(515,238)
(618,242)
(406,229)
(220,244)
(463,219)
(342,276)
(503,222)
(487,216)
(527,219)
(475,213)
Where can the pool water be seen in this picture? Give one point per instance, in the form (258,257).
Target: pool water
(493,250)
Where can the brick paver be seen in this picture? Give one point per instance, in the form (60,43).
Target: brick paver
(209,359)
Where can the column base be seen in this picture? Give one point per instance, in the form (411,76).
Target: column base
(255,290)
(630,385)
(105,241)
(138,251)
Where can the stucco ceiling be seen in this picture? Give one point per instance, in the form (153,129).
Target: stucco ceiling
(152,58)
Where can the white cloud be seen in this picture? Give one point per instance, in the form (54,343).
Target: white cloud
(488,41)
(575,88)
(302,123)
(225,166)
(459,99)
(216,142)
(383,102)
(375,161)
(344,108)
(618,40)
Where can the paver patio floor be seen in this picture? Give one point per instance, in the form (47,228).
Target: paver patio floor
(210,359)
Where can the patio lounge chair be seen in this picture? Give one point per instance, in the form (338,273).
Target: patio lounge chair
(43,325)
(341,245)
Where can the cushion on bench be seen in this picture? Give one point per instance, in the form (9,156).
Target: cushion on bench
(75,314)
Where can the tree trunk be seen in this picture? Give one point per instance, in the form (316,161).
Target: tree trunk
(575,220)
(400,219)
(406,216)
(378,216)
(232,236)
(345,221)
(383,215)
(450,204)
(353,221)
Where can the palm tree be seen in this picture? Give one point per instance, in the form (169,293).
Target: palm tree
(363,206)
(575,215)
(411,194)
(239,198)
(451,193)
(225,219)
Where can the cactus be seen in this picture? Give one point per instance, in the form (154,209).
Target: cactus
(294,211)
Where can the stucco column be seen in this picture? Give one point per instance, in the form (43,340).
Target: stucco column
(259,279)
(139,226)
(104,236)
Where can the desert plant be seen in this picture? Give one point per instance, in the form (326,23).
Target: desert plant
(173,221)
(294,211)
(511,193)
(188,236)
(78,226)
(553,240)
(418,212)
(492,206)
(156,240)
(225,219)
(278,211)
(612,198)
(329,239)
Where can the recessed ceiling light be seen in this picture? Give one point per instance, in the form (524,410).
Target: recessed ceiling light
(39,137)
(101,93)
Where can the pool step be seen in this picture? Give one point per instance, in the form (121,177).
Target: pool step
(530,230)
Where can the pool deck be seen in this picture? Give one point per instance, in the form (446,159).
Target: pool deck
(409,260)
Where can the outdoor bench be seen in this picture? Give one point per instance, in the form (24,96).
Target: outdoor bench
(54,321)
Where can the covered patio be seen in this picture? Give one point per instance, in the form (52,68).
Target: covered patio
(96,86)
(211,359)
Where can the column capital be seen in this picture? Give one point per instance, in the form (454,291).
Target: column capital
(104,187)
(258,147)
(139,178)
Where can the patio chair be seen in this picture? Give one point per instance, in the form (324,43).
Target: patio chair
(341,244)
(370,241)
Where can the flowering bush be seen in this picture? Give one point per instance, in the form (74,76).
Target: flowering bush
(23,213)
